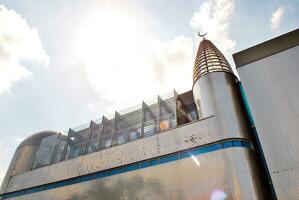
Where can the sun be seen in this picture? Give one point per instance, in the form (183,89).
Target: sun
(108,36)
(111,46)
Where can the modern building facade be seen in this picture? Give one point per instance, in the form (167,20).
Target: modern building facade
(201,144)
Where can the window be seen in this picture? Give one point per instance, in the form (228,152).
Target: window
(115,171)
(169,158)
(76,143)
(45,151)
(59,149)
(132,167)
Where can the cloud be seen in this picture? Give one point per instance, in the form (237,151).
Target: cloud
(213,16)
(135,65)
(18,42)
(276,17)
(132,65)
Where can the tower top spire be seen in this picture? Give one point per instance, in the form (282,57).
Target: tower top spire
(209,59)
(202,35)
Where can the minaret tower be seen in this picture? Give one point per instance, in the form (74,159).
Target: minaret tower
(216,95)
(215,90)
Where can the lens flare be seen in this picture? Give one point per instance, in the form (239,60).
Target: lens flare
(195,160)
(218,195)
(164,125)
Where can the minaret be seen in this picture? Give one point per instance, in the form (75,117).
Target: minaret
(216,94)
(212,75)
(215,90)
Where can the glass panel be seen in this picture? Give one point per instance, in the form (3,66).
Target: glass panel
(128,127)
(45,151)
(186,113)
(106,135)
(59,149)
(115,171)
(100,174)
(149,130)
(93,140)
(77,143)
(169,158)
(150,119)
(132,167)
(86,178)
(167,114)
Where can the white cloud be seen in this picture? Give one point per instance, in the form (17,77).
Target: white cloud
(276,17)
(213,16)
(124,61)
(18,42)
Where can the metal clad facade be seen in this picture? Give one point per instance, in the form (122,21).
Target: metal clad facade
(181,138)
(271,86)
(209,176)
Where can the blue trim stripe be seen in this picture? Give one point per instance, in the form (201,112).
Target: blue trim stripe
(135,166)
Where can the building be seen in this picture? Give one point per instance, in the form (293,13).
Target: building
(207,143)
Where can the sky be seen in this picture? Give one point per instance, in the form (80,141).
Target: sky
(64,63)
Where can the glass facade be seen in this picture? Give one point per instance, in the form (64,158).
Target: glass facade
(57,157)
(144,120)
(45,152)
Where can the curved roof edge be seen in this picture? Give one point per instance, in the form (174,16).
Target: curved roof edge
(36,138)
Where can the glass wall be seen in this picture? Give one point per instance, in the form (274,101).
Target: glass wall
(92,143)
(108,129)
(58,153)
(144,120)
(45,152)
(128,127)
(76,143)
(167,114)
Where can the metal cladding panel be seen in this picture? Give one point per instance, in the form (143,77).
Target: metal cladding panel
(223,174)
(216,94)
(271,86)
(177,139)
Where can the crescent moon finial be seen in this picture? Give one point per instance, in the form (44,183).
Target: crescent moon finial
(202,35)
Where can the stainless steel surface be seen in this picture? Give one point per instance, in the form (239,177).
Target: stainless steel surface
(271,86)
(216,94)
(224,173)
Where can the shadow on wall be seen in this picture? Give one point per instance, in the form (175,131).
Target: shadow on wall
(135,188)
